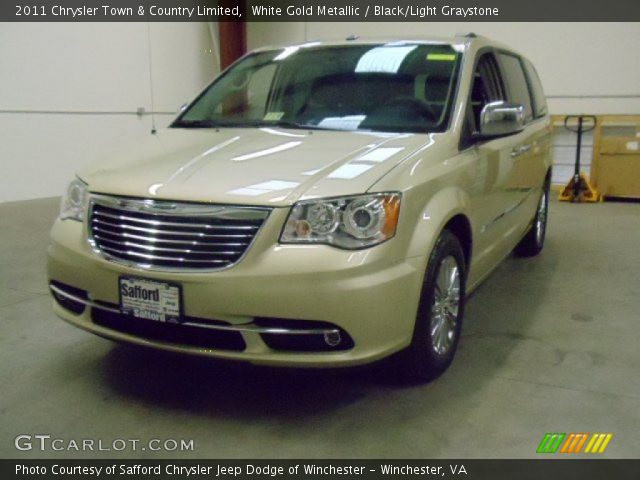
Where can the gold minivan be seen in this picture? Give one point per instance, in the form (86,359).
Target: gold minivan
(321,204)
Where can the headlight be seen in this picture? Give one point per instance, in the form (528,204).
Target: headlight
(348,222)
(74,202)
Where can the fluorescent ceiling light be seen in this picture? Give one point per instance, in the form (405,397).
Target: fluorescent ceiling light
(266,151)
(380,154)
(383,59)
(264,187)
(349,171)
(348,122)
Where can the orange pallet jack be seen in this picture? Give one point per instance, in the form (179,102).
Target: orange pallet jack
(579,189)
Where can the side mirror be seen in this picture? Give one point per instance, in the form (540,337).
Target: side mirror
(499,119)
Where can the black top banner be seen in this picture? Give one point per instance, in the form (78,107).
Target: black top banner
(320,11)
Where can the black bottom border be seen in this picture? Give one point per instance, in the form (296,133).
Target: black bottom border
(535,469)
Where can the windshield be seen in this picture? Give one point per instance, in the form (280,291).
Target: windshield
(397,87)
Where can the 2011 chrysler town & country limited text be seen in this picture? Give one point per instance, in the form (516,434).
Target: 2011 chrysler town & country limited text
(322,204)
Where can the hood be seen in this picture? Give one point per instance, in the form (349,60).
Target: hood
(251,166)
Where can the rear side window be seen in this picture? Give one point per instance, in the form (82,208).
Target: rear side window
(517,86)
(537,93)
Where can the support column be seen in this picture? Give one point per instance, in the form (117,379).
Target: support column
(233,42)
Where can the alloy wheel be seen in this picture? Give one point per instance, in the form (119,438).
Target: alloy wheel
(541,218)
(444,312)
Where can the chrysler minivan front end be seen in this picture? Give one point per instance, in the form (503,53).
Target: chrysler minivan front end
(234,281)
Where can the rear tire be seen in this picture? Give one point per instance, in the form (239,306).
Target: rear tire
(533,242)
(440,313)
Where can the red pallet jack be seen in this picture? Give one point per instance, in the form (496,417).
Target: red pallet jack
(579,189)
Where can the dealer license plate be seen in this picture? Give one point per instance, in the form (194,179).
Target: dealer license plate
(150,299)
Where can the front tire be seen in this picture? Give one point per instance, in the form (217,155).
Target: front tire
(440,313)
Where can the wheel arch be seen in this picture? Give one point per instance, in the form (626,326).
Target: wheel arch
(447,209)
(460,226)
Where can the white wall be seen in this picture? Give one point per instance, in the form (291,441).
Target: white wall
(597,61)
(68,90)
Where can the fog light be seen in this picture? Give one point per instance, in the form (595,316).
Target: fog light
(332,339)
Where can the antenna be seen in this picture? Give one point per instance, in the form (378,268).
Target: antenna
(153,116)
(467,35)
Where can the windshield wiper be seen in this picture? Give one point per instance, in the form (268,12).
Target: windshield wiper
(193,124)
(206,124)
(296,125)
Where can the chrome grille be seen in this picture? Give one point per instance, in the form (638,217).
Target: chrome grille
(171,235)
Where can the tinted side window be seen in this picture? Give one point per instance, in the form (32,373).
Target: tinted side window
(516,81)
(537,93)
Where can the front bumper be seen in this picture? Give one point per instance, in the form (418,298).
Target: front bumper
(371,295)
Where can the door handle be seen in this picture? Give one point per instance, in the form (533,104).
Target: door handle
(521,150)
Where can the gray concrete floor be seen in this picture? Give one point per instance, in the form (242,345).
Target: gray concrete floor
(550,345)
